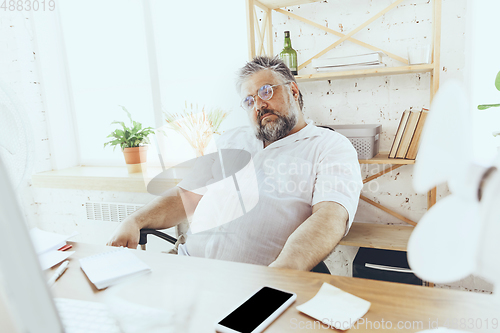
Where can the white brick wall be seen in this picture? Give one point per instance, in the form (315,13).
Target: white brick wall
(367,100)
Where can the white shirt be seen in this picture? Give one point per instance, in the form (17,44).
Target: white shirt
(282,183)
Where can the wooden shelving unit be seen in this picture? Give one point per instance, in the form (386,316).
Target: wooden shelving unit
(381,71)
(260,43)
(383,158)
(275,4)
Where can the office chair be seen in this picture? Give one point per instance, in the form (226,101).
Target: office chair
(143,239)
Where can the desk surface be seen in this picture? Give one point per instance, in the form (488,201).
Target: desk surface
(201,291)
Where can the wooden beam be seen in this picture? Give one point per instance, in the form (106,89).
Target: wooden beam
(436,46)
(431,198)
(261,5)
(250,28)
(383,172)
(263,34)
(347,36)
(436,61)
(388,211)
(260,40)
(339,34)
(269,23)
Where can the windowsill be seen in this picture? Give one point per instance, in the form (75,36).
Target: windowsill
(393,237)
(100,179)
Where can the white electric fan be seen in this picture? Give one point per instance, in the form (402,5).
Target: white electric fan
(459,235)
(16,138)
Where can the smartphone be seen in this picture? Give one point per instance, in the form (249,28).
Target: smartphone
(257,312)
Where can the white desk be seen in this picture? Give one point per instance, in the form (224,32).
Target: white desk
(204,290)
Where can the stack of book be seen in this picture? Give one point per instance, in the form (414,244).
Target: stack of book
(361,61)
(407,138)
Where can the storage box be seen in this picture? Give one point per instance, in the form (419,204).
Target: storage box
(383,265)
(365,138)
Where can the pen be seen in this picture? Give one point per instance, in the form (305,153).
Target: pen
(60,271)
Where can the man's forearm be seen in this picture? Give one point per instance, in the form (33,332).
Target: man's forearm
(161,213)
(314,239)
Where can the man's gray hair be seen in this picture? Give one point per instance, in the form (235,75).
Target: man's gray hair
(275,64)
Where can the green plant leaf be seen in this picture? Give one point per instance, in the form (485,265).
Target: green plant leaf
(137,125)
(487,106)
(128,113)
(497,81)
(120,123)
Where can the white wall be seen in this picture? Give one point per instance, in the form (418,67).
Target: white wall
(367,100)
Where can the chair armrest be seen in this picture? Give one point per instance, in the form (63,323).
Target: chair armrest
(145,232)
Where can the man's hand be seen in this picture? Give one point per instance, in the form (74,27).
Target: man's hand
(127,234)
(163,212)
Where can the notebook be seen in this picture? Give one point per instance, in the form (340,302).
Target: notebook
(109,268)
(335,308)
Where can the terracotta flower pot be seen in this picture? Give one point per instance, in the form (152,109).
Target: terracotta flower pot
(135,158)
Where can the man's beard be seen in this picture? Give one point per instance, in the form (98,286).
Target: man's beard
(277,129)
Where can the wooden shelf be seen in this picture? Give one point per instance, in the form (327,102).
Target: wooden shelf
(99,179)
(379,71)
(383,158)
(378,236)
(273,4)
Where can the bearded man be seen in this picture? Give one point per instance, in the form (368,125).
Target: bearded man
(307,177)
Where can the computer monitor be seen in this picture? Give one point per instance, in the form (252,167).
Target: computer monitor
(28,297)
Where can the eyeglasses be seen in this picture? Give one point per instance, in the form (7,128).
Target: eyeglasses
(265,93)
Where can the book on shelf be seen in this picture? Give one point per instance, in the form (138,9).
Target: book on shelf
(360,59)
(399,134)
(411,125)
(349,68)
(413,149)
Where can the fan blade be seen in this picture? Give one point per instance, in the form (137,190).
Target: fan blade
(445,149)
(443,247)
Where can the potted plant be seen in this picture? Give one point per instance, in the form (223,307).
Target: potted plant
(487,106)
(132,141)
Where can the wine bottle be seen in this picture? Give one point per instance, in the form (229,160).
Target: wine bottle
(288,55)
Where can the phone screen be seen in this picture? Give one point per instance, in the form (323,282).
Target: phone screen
(255,310)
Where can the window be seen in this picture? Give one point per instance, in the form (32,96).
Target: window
(199,47)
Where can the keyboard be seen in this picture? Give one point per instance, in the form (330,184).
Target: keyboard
(93,317)
(85,317)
